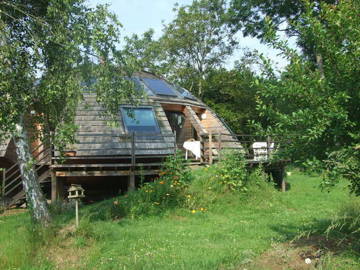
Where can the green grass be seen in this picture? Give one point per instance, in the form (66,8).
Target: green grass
(231,234)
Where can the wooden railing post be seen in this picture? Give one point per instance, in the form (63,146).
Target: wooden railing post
(268,144)
(219,150)
(132,169)
(202,148)
(175,145)
(210,149)
(3,181)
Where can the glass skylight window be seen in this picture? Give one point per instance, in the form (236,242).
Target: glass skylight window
(140,120)
(159,87)
(185,93)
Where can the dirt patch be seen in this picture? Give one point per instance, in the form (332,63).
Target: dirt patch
(302,254)
(12,212)
(68,250)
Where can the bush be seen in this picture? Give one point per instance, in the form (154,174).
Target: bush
(167,191)
(344,163)
(231,171)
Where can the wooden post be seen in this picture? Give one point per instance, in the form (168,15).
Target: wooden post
(175,145)
(54,187)
(202,148)
(210,149)
(283,183)
(132,169)
(268,144)
(77,212)
(3,181)
(219,141)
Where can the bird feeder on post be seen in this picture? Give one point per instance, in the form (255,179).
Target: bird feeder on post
(76,192)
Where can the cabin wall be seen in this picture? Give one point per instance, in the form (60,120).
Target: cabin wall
(213,124)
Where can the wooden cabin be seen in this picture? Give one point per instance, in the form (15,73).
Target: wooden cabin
(115,155)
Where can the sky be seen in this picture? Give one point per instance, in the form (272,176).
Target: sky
(138,16)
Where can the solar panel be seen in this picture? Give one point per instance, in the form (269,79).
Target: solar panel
(138,86)
(159,87)
(186,94)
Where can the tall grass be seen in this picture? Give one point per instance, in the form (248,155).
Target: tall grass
(205,225)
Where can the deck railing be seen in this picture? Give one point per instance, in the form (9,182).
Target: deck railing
(256,148)
(11,180)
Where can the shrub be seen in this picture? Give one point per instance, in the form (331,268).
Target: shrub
(231,171)
(344,163)
(166,191)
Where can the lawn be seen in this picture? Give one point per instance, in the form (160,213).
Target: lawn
(236,231)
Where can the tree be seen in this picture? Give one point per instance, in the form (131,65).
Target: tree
(252,18)
(231,93)
(48,49)
(146,52)
(319,106)
(196,42)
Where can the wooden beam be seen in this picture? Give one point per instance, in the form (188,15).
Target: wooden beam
(195,121)
(104,173)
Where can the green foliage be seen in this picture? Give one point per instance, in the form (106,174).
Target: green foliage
(232,94)
(165,192)
(231,171)
(196,42)
(230,234)
(315,107)
(344,163)
(48,50)
(347,222)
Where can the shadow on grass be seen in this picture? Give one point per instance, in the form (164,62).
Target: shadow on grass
(337,236)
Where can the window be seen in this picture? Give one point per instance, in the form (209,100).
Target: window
(140,120)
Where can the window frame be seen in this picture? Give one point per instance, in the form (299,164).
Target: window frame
(122,111)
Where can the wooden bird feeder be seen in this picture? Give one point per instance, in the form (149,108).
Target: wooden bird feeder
(76,192)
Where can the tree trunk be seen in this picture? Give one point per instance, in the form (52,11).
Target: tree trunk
(200,88)
(320,65)
(35,199)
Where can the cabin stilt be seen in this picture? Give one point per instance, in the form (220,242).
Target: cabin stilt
(131,185)
(57,187)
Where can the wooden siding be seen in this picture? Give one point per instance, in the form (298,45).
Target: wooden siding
(214,125)
(101,135)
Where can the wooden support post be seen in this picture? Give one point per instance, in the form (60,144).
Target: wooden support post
(3,181)
(283,183)
(77,212)
(210,148)
(268,144)
(219,141)
(175,145)
(202,148)
(132,169)
(54,187)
